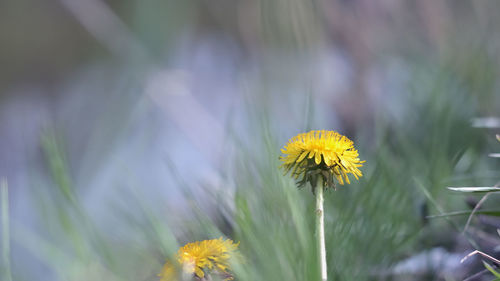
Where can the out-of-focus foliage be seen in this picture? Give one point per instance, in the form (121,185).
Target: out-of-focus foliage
(129,128)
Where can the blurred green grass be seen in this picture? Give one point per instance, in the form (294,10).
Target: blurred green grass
(370,224)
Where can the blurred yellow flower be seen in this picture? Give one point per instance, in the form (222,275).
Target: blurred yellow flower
(325,154)
(202,257)
(168,272)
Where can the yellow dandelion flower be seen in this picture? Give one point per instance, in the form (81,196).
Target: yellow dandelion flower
(325,154)
(202,257)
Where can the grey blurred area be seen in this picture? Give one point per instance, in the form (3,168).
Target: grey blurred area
(153,97)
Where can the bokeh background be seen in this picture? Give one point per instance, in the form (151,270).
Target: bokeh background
(129,128)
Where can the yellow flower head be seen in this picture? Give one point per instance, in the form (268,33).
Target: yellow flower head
(200,257)
(325,154)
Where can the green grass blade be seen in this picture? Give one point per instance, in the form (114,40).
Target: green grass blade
(483,189)
(495,213)
(5,231)
(490,269)
(438,207)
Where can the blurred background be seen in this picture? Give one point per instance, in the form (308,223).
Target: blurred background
(129,128)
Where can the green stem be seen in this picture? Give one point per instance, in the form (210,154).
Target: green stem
(4,196)
(320,230)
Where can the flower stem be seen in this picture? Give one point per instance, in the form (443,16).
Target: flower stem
(320,230)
